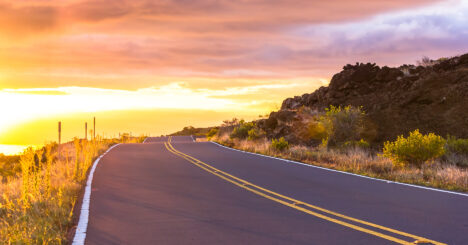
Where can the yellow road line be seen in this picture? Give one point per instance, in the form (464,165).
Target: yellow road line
(310,205)
(245,184)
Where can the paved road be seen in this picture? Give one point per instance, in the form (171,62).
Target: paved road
(190,192)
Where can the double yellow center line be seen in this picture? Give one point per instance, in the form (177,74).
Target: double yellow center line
(310,209)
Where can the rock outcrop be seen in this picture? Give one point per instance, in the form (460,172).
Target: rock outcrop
(432,98)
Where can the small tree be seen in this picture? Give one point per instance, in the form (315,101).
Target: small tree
(415,150)
(343,124)
(425,61)
(229,123)
(242,131)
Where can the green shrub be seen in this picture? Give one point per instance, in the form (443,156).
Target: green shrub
(9,166)
(316,130)
(242,131)
(212,132)
(458,146)
(416,149)
(357,144)
(280,144)
(456,151)
(343,124)
(255,134)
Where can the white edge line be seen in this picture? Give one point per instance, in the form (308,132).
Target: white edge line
(193,139)
(80,233)
(338,171)
(144,141)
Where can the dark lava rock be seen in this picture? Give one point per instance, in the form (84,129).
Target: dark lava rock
(396,100)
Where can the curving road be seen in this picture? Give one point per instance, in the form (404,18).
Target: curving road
(176,191)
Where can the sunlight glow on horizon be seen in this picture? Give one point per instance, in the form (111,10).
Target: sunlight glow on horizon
(13,149)
(29,105)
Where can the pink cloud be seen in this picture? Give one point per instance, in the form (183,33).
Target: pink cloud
(261,39)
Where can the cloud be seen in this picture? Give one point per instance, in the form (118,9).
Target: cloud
(99,10)
(437,30)
(188,16)
(19,21)
(98,43)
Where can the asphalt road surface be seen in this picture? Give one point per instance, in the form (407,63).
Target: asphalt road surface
(177,191)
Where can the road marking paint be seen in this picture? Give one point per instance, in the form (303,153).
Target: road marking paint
(250,187)
(80,233)
(343,172)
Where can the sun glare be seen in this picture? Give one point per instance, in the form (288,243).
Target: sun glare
(12,149)
(33,112)
(27,104)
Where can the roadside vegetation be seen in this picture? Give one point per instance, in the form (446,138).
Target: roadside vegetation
(341,138)
(40,188)
(190,130)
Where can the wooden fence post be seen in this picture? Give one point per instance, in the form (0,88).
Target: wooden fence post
(59,132)
(94,128)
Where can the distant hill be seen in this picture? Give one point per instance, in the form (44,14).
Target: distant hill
(432,97)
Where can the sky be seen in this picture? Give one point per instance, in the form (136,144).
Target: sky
(152,67)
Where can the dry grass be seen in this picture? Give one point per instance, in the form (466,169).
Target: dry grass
(37,206)
(363,162)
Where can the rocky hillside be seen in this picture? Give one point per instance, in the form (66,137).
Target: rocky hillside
(432,98)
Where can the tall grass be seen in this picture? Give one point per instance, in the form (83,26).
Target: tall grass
(36,207)
(357,160)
